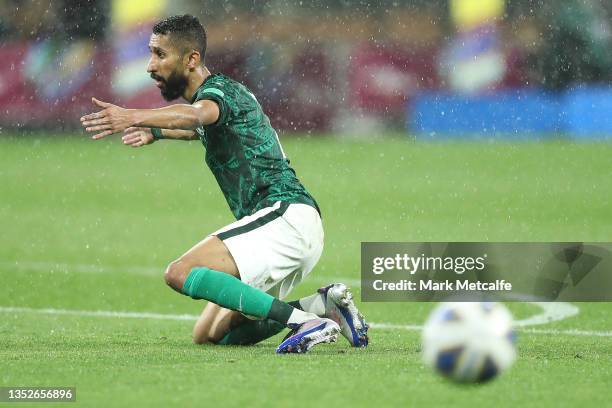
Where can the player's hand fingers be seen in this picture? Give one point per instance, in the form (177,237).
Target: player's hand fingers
(95,122)
(100,103)
(131,138)
(132,129)
(95,115)
(106,126)
(139,143)
(102,134)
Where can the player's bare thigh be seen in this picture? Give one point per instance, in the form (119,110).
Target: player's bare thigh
(211,253)
(214,323)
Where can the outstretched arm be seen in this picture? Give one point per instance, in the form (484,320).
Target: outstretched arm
(179,134)
(113,119)
(141,136)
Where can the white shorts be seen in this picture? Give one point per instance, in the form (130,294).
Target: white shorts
(277,247)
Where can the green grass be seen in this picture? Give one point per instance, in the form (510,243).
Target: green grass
(91,225)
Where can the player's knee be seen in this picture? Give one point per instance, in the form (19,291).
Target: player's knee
(208,333)
(208,336)
(175,275)
(202,339)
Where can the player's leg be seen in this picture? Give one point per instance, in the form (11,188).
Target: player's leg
(221,326)
(252,332)
(313,304)
(210,253)
(276,257)
(214,323)
(217,325)
(246,332)
(208,271)
(332,301)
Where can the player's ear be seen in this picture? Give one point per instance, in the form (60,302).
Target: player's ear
(193,59)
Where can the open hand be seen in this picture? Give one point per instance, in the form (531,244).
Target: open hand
(137,136)
(111,119)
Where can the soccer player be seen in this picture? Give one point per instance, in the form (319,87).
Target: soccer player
(247,267)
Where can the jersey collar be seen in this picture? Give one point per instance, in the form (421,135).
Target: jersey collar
(195,94)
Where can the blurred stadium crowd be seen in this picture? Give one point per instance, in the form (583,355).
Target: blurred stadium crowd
(341,66)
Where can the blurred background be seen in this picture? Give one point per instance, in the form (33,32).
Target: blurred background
(427,68)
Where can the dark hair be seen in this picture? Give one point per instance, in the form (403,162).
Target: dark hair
(186,30)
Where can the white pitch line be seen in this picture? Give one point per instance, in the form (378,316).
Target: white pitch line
(187,317)
(568,332)
(99,313)
(395,326)
(551,311)
(50,266)
(152,271)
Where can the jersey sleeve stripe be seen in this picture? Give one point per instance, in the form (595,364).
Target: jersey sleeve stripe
(215,91)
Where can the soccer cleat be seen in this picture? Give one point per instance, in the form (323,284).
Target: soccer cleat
(308,334)
(339,307)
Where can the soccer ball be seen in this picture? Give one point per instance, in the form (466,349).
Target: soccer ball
(469,342)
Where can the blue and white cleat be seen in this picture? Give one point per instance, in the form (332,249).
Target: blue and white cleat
(308,334)
(339,307)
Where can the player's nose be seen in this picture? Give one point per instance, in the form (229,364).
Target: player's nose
(151,66)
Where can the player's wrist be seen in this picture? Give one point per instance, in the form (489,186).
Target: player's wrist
(157,133)
(137,117)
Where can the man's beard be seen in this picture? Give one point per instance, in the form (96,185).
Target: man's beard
(173,87)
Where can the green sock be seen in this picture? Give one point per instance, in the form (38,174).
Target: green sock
(231,293)
(252,332)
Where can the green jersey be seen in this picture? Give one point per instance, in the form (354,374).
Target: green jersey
(243,151)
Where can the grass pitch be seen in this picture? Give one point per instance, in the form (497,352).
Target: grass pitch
(88,227)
